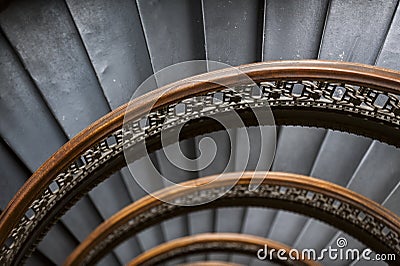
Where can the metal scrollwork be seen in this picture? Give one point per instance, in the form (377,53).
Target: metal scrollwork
(212,242)
(332,94)
(277,190)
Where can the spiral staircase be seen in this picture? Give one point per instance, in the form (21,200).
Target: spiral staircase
(66,64)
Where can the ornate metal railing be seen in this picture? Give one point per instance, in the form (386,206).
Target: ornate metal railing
(349,97)
(360,217)
(218,242)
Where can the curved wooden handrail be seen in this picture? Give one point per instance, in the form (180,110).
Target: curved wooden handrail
(215,242)
(314,197)
(385,80)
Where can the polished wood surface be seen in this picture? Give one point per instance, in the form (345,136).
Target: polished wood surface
(99,237)
(325,70)
(247,241)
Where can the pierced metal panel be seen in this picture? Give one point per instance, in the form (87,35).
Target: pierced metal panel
(319,196)
(316,94)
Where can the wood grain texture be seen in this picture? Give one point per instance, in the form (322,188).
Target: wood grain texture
(214,239)
(317,70)
(96,242)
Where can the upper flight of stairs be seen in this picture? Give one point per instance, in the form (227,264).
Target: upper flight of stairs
(64,64)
